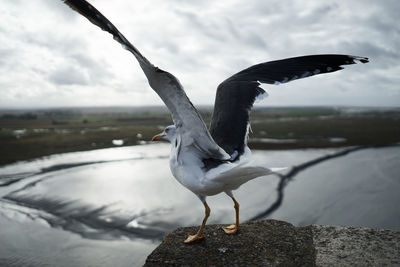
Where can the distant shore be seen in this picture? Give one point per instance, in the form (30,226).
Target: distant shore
(29,134)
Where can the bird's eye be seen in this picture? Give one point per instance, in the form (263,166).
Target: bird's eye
(167,130)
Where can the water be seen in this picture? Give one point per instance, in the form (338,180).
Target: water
(113,206)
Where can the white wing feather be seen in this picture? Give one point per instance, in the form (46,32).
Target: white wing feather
(187,120)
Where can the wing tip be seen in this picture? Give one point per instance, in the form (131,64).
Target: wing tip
(359,59)
(261,96)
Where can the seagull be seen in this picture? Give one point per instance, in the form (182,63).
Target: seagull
(215,160)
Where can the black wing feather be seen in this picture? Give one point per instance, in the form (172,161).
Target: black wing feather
(236,95)
(233,103)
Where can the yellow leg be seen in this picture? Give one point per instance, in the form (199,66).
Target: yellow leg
(199,235)
(232,229)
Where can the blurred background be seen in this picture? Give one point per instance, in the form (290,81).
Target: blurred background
(80,183)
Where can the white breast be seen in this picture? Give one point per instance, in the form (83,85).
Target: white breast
(187,169)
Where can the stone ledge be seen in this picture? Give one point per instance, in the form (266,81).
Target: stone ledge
(275,243)
(351,246)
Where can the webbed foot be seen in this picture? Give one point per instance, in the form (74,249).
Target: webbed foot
(193,238)
(231,229)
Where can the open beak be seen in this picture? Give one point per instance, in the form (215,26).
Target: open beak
(158,137)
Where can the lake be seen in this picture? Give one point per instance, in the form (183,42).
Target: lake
(113,206)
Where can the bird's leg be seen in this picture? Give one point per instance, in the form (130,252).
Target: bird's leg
(233,228)
(199,235)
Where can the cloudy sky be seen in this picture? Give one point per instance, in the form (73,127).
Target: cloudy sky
(51,56)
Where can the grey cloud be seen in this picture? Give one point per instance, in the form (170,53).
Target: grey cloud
(387,8)
(371,50)
(256,41)
(60,8)
(324,9)
(61,43)
(5,55)
(199,3)
(169,45)
(232,29)
(69,76)
(83,60)
(212,40)
(252,37)
(385,25)
(207,27)
(97,71)
(317,14)
(221,30)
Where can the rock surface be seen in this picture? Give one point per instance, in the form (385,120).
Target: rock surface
(276,243)
(350,246)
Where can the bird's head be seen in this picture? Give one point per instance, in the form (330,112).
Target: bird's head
(168,134)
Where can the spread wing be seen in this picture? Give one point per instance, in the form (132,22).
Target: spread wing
(188,122)
(236,95)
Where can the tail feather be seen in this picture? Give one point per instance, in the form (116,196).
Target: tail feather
(239,175)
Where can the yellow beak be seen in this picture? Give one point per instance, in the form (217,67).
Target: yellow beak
(157,137)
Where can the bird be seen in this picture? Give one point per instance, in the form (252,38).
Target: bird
(214,160)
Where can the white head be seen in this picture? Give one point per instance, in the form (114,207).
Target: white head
(168,134)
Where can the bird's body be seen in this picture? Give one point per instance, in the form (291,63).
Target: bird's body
(189,168)
(192,173)
(215,160)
